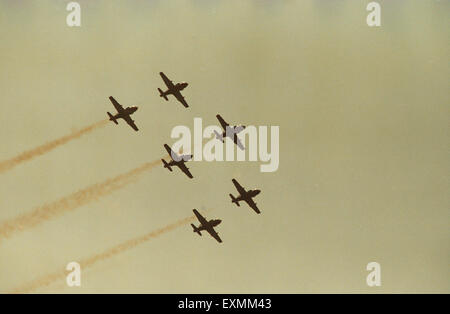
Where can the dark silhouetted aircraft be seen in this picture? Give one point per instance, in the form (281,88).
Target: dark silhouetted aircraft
(206,225)
(123,113)
(246,196)
(232,132)
(177,160)
(173,89)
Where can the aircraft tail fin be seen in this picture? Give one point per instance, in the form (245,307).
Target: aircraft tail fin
(161,94)
(196,230)
(111,118)
(233,200)
(166,165)
(219,136)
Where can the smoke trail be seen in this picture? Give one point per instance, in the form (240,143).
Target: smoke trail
(72,201)
(40,150)
(90,261)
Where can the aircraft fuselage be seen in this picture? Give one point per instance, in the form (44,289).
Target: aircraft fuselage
(176,163)
(176,88)
(248,194)
(126,112)
(211,224)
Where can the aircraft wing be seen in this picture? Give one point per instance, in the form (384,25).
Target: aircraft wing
(239,129)
(240,189)
(185,169)
(118,106)
(252,204)
(166,80)
(187,157)
(200,218)
(172,154)
(214,234)
(238,142)
(222,122)
(180,98)
(131,123)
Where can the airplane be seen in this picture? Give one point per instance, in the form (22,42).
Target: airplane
(173,89)
(246,196)
(177,160)
(207,226)
(123,113)
(232,132)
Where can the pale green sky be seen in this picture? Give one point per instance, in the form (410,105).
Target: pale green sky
(363,115)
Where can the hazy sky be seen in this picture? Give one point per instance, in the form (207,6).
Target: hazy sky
(364,131)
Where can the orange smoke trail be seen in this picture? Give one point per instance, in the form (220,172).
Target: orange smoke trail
(90,261)
(72,201)
(40,150)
